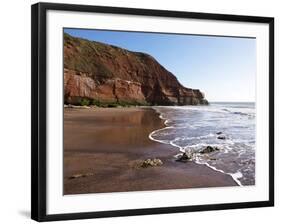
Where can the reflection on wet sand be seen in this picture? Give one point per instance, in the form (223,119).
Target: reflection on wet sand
(101,132)
(102,145)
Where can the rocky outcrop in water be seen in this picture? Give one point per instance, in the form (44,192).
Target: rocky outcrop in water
(100,72)
(184,157)
(209,149)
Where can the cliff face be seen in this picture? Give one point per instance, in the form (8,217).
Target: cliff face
(106,73)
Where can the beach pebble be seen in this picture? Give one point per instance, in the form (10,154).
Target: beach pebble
(151,163)
(75,176)
(81,175)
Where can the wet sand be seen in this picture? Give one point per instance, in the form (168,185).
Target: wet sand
(103,147)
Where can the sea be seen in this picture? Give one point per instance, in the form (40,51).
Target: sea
(192,128)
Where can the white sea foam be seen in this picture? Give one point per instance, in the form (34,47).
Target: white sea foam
(235,176)
(191,128)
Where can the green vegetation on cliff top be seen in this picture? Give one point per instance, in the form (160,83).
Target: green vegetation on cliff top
(94,102)
(88,59)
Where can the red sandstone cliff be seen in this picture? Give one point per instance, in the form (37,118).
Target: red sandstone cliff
(106,73)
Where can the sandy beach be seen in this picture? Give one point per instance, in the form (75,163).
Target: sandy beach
(103,147)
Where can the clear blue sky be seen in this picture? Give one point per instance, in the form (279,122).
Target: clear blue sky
(224,68)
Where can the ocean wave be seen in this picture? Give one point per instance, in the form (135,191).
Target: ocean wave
(192,128)
(235,176)
(243,111)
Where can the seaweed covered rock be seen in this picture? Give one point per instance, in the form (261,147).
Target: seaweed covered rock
(151,163)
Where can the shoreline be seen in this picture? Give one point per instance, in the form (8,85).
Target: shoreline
(104,159)
(233,176)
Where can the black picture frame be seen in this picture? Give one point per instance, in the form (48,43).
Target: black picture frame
(39,122)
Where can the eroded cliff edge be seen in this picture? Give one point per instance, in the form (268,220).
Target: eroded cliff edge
(104,73)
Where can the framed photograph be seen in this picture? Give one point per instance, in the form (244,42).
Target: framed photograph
(140,111)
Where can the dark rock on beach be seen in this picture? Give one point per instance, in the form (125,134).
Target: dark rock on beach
(209,149)
(184,158)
